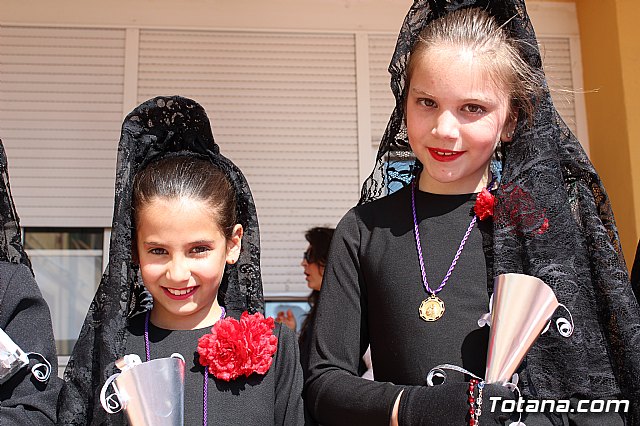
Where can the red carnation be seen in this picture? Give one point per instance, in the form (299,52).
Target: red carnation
(261,343)
(484,204)
(238,348)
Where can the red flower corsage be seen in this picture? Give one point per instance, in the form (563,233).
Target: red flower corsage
(239,348)
(484,204)
(520,212)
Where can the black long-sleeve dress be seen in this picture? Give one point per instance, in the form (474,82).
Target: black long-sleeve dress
(371,292)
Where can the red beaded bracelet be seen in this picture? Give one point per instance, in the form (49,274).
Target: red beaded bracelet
(475,406)
(473,420)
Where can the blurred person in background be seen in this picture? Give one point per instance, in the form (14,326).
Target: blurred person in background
(313,261)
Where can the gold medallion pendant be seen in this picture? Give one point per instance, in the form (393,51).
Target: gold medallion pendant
(431,308)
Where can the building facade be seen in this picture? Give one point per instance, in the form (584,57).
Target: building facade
(297,93)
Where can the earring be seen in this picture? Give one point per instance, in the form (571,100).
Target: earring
(508,136)
(495,166)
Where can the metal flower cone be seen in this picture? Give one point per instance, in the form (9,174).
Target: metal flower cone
(151,393)
(522,307)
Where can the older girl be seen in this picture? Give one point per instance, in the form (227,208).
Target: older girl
(410,273)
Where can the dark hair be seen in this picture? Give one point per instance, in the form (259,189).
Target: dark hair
(191,178)
(475,29)
(319,239)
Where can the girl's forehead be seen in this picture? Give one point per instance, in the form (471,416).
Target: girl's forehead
(176,215)
(452,57)
(171,207)
(176,203)
(458,69)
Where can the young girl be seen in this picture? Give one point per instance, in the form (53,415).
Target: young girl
(411,273)
(185,228)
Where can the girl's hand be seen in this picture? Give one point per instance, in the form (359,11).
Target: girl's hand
(287,319)
(447,404)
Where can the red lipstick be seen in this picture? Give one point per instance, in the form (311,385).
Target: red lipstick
(444,155)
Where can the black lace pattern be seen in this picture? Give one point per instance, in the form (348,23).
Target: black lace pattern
(553,220)
(160,127)
(11,249)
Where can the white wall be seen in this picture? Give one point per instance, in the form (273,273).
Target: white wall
(338,15)
(330,15)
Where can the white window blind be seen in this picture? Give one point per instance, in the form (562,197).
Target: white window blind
(556,59)
(60,114)
(283,108)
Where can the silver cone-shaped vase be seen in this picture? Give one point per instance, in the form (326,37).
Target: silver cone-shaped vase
(522,306)
(151,393)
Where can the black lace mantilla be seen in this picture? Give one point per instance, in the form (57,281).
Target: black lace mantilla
(160,127)
(11,249)
(553,220)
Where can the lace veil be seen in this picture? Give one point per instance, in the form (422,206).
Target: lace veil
(552,220)
(159,127)
(11,249)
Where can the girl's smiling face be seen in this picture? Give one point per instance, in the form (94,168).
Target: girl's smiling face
(182,255)
(455,114)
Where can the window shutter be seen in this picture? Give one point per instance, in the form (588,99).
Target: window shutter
(60,115)
(556,59)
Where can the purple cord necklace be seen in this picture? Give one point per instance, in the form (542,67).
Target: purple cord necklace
(205,387)
(432,308)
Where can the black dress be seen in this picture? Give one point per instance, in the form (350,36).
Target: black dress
(371,292)
(272,399)
(25,317)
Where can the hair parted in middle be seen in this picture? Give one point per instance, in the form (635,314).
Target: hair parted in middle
(182,177)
